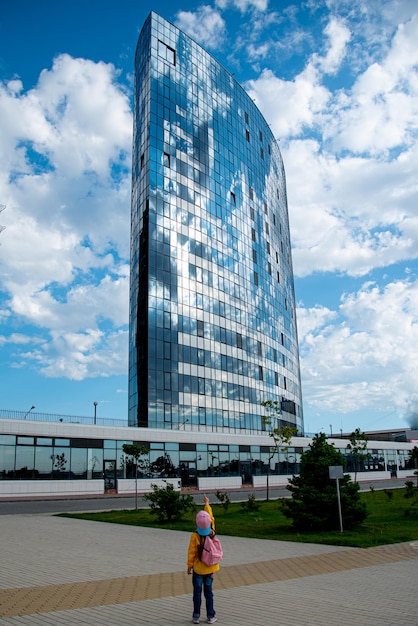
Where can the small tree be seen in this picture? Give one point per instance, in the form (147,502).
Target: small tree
(251,504)
(357,446)
(314,501)
(136,451)
(281,434)
(168,504)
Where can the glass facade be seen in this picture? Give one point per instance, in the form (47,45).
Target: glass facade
(77,458)
(212,307)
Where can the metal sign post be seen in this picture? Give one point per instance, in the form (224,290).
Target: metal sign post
(335,473)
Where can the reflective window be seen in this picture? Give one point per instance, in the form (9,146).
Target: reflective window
(7,462)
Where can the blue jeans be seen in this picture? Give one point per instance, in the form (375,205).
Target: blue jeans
(203,581)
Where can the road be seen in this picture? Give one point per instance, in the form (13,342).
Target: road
(108,503)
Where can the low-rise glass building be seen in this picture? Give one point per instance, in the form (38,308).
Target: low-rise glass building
(49,455)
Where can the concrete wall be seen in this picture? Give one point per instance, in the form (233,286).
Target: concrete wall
(127,485)
(280,480)
(365,476)
(275,480)
(215,482)
(49,488)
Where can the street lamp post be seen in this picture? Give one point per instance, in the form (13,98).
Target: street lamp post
(31,409)
(95,410)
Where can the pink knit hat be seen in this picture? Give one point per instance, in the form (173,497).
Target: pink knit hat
(203,523)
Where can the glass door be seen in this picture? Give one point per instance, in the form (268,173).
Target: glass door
(109,474)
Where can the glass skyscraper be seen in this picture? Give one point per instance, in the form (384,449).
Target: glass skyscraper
(212,307)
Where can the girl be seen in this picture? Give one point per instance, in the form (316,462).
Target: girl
(202,574)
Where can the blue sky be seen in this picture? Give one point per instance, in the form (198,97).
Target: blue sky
(337,81)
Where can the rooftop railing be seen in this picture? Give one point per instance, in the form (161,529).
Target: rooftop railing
(57,417)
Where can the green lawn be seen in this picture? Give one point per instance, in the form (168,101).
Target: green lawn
(388,522)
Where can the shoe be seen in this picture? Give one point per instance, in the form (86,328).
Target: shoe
(212,620)
(196,620)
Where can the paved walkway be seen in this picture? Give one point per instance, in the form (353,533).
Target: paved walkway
(57,571)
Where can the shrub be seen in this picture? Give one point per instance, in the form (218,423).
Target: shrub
(224,499)
(410,489)
(167,504)
(251,504)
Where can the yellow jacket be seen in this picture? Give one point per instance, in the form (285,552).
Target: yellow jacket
(193,560)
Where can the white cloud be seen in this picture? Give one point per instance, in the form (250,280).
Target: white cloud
(351,214)
(362,358)
(17,339)
(339,36)
(381,111)
(243,5)
(81,355)
(205,25)
(65,177)
(290,106)
(310,320)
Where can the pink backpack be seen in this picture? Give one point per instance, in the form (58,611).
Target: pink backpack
(212,552)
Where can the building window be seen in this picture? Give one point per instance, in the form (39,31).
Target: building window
(261,136)
(260,372)
(247,135)
(253,234)
(246,117)
(262,153)
(255,256)
(239,340)
(233,198)
(166,53)
(166,159)
(251,193)
(200,328)
(255,278)
(202,416)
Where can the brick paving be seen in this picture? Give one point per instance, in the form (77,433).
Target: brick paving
(63,572)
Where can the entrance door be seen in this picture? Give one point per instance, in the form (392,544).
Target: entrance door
(246,472)
(188,474)
(109,474)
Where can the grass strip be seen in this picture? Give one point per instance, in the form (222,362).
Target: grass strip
(392,519)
